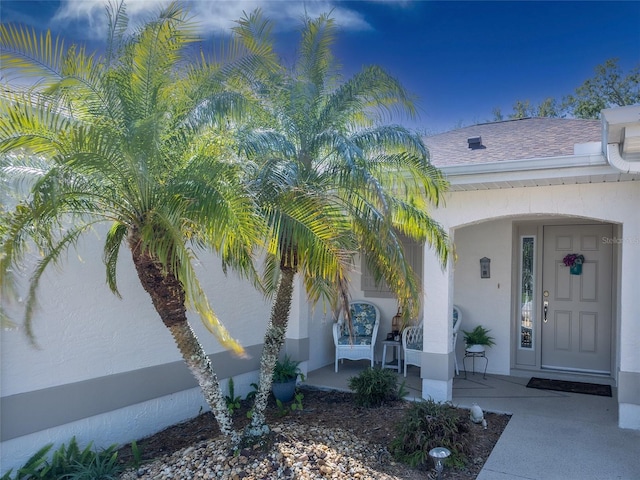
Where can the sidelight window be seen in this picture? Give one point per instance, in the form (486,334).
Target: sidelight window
(527,282)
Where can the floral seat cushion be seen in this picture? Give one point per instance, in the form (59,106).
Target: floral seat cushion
(363,319)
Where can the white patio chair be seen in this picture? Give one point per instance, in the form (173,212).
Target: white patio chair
(412,338)
(412,346)
(365,318)
(457,321)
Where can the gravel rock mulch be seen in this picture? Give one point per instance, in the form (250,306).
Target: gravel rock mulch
(330,438)
(298,452)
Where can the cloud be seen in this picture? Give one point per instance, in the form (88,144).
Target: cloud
(214,17)
(218,16)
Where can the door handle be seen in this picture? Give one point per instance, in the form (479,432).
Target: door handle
(545,309)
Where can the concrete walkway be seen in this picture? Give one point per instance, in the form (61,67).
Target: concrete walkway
(551,435)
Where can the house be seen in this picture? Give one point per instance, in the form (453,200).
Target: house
(524,194)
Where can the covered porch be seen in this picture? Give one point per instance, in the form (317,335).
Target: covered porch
(495,393)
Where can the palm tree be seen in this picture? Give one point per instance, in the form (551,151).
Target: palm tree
(133,143)
(334,180)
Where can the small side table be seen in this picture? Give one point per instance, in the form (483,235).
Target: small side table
(473,352)
(397,355)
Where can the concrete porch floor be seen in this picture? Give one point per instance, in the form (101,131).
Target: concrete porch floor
(551,435)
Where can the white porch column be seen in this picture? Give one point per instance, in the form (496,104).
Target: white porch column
(437,358)
(297,339)
(629,373)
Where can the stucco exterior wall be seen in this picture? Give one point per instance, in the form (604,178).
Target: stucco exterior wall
(88,338)
(485,301)
(83,331)
(321,349)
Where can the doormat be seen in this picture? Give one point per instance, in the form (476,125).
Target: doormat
(573,387)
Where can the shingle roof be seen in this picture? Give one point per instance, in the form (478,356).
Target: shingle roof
(512,140)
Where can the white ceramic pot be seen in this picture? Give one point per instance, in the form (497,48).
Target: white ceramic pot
(475,348)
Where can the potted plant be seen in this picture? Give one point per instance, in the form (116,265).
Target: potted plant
(285,376)
(478,339)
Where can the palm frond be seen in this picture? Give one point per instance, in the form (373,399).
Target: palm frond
(370,95)
(50,256)
(149,60)
(24,52)
(253,33)
(391,137)
(386,260)
(118,22)
(317,233)
(315,61)
(115,236)
(264,144)
(33,121)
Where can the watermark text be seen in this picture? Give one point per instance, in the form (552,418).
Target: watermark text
(621,240)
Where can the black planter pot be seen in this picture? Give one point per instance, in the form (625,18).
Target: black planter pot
(284,391)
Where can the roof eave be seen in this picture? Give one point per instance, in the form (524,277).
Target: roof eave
(528,165)
(572,169)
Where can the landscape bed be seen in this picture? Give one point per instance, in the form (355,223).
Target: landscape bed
(330,438)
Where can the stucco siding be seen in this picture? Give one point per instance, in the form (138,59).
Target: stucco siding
(83,331)
(609,202)
(85,335)
(485,301)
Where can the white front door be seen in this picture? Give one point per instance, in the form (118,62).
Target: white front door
(576,309)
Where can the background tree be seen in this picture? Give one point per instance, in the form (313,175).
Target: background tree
(134,140)
(608,88)
(548,108)
(333,179)
(524,109)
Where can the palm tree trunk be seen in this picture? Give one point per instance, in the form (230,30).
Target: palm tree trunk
(168,297)
(273,341)
(200,366)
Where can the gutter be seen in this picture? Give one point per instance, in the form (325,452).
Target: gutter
(539,171)
(568,161)
(618,125)
(616,160)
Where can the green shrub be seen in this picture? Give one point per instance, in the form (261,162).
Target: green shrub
(35,467)
(375,386)
(428,424)
(296,404)
(69,462)
(136,453)
(233,401)
(252,394)
(286,370)
(103,465)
